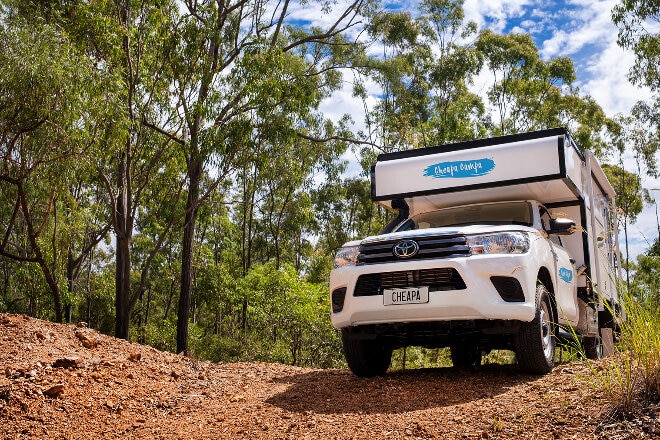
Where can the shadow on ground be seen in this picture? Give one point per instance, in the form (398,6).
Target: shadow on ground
(340,392)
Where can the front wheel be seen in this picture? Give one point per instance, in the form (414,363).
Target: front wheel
(535,342)
(366,357)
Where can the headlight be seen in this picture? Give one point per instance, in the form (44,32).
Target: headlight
(347,256)
(501,243)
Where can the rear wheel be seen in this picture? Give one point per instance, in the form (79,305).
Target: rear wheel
(464,356)
(366,357)
(535,342)
(593,347)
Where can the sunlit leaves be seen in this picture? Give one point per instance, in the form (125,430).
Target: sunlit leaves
(638,30)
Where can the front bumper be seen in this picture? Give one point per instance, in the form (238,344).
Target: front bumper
(479,299)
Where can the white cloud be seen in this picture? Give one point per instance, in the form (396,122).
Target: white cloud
(589,25)
(494,14)
(606,80)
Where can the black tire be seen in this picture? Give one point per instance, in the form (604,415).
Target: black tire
(535,343)
(593,347)
(465,356)
(366,357)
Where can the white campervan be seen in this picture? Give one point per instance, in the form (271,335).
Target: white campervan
(499,244)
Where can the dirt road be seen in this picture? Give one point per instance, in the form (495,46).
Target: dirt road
(67,382)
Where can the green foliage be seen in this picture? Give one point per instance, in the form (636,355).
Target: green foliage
(52,108)
(631,17)
(646,279)
(632,376)
(630,195)
(161,335)
(287,319)
(531,94)
(424,74)
(411,358)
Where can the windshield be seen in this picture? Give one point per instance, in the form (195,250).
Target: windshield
(509,213)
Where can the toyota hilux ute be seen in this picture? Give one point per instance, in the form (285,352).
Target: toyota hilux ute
(499,243)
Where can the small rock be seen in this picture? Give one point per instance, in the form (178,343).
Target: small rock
(135,356)
(81,325)
(175,375)
(55,390)
(67,362)
(5,390)
(87,339)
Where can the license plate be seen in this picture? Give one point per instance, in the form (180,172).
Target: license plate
(407,295)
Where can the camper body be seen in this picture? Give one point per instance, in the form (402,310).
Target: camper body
(500,243)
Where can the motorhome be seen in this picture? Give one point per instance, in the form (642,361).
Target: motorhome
(499,243)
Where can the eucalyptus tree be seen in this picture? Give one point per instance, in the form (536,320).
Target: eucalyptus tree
(509,58)
(280,217)
(637,21)
(424,71)
(50,107)
(127,43)
(630,198)
(646,279)
(400,73)
(457,113)
(241,70)
(642,135)
(529,93)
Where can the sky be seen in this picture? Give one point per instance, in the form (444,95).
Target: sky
(579,29)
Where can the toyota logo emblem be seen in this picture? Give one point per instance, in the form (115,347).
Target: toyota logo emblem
(405,249)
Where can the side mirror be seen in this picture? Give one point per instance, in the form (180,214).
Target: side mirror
(561,226)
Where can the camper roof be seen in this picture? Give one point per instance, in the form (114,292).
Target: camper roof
(542,165)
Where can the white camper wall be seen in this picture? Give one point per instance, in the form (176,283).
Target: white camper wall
(444,171)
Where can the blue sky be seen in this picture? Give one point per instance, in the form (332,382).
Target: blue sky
(580,29)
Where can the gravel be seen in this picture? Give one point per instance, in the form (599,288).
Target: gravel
(70,382)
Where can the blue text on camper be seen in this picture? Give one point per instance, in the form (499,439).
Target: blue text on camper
(565,274)
(460,168)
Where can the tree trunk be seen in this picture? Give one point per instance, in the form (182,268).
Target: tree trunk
(123,235)
(70,277)
(124,223)
(194,177)
(39,257)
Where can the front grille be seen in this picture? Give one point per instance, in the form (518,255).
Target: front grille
(434,246)
(436,280)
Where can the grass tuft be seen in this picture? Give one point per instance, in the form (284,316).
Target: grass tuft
(631,377)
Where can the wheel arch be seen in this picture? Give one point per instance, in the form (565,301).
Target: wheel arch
(545,278)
